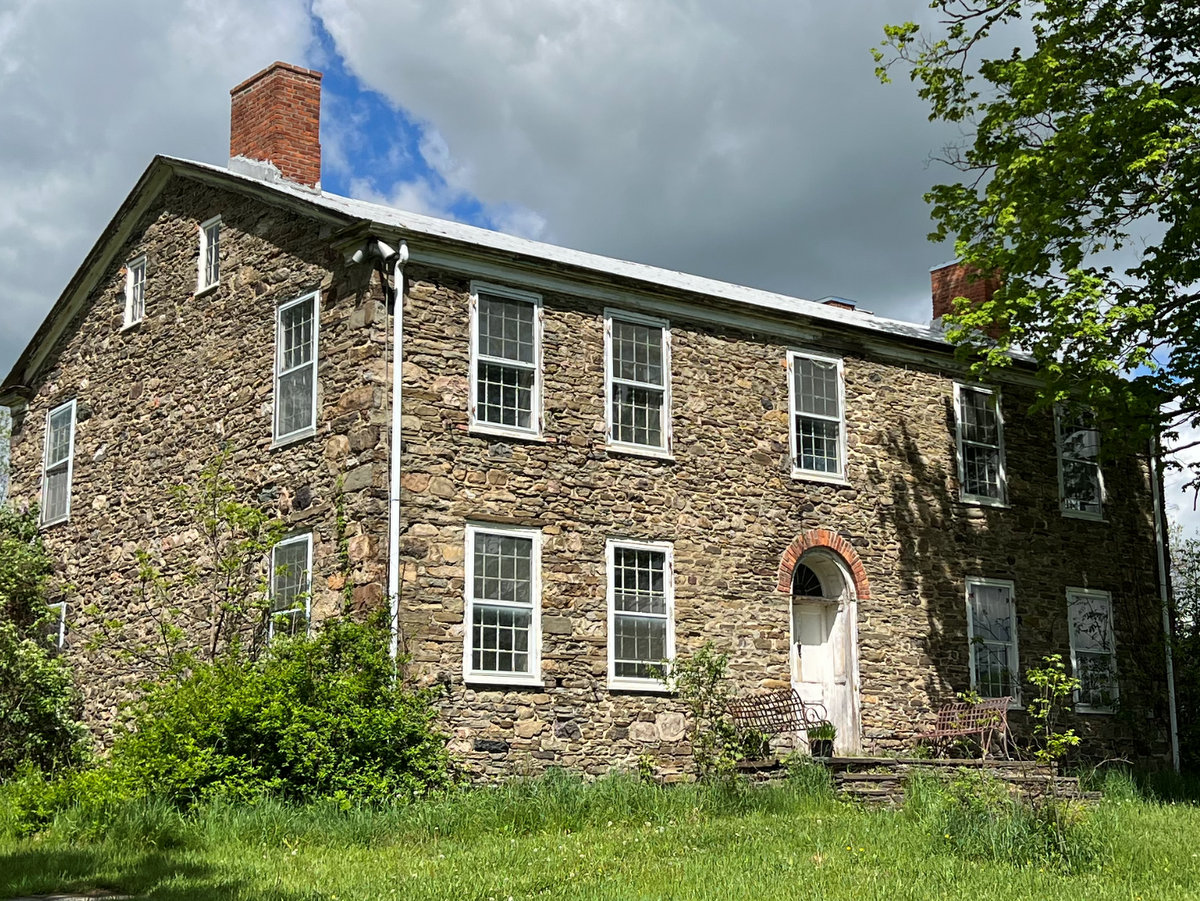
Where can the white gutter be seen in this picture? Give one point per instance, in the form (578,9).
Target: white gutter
(1164,596)
(394,471)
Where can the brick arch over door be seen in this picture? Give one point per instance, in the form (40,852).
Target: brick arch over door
(831,541)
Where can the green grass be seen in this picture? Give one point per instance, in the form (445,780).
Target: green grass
(616,838)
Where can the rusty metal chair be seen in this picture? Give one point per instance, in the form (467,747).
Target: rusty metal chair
(984,721)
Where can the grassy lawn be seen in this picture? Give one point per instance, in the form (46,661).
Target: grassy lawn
(617,839)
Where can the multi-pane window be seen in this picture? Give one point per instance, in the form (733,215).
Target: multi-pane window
(818,420)
(291,582)
(505,360)
(1079,463)
(296,326)
(503,600)
(992,626)
(57,463)
(980,444)
(1093,653)
(638,369)
(135,291)
(640,613)
(210,254)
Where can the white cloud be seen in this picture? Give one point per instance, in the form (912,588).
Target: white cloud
(752,144)
(89,92)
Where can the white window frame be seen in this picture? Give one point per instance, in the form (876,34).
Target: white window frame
(58,634)
(666,449)
(307,540)
(668,551)
(533,676)
(202,282)
(1002,475)
(309,430)
(1059,417)
(1015,644)
(68,463)
(838,477)
(1106,597)
(480,426)
(132,284)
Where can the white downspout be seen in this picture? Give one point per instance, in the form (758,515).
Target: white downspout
(1164,596)
(394,472)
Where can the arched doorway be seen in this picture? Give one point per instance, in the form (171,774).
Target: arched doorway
(824,633)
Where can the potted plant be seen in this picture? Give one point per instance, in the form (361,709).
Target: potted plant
(821,738)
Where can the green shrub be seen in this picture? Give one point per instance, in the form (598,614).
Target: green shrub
(314,718)
(39,705)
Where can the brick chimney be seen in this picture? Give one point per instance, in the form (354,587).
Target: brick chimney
(275,116)
(956,280)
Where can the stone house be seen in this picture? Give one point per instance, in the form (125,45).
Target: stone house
(580,467)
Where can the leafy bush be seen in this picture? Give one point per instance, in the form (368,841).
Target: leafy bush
(314,718)
(39,705)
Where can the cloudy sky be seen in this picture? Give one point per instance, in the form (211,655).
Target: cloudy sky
(746,142)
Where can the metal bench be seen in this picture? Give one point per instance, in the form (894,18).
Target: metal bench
(986,720)
(776,712)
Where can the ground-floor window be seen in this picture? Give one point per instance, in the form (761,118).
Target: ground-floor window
(992,628)
(503,604)
(1093,653)
(640,613)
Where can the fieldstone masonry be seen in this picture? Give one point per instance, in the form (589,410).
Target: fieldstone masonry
(156,401)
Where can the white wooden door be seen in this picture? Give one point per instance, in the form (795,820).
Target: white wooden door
(823,665)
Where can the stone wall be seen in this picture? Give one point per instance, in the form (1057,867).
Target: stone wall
(729,504)
(158,400)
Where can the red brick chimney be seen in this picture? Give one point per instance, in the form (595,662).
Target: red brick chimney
(956,280)
(276,116)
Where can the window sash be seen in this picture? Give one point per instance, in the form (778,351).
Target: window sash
(56,632)
(506,354)
(210,253)
(291,586)
(296,355)
(1081,484)
(502,585)
(1093,649)
(818,437)
(58,463)
(987,650)
(980,442)
(135,291)
(638,409)
(640,612)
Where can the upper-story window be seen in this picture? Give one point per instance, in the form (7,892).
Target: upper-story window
(980,444)
(135,291)
(506,355)
(992,627)
(641,627)
(57,464)
(296,328)
(817,399)
(637,356)
(1093,651)
(210,254)
(291,586)
(1080,482)
(503,605)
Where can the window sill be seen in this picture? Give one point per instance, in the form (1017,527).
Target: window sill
(804,475)
(206,289)
(636,450)
(968,500)
(1101,711)
(504,680)
(490,430)
(293,438)
(639,686)
(130,326)
(1086,517)
(54,522)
